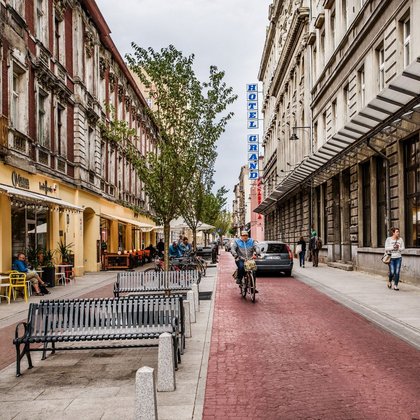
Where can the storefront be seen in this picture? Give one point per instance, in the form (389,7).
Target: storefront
(34,217)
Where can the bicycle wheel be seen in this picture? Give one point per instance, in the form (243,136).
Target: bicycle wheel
(252,285)
(244,285)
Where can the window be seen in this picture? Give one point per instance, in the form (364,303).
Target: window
(380,52)
(332,29)
(362,87)
(344,13)
(322,49)
(14,111)
(406,41)
(40,20)
(367,238)
(412,191)
(61,132)
(324,126)
(42,120)
(381,200)
(57,38)
(346,105)
(314,57)
(334,116)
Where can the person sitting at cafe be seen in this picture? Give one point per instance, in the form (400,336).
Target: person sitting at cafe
(185,247)
(153,251)
(21,265)
(174,251)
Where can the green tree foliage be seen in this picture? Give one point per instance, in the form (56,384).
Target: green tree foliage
(190,117)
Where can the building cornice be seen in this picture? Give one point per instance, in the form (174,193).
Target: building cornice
(300,17)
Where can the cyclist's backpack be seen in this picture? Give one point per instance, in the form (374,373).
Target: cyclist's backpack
(319,243)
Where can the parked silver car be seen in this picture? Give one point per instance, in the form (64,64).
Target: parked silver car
(274,257)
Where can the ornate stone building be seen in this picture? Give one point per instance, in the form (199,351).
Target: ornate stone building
(61,80)
(341,127)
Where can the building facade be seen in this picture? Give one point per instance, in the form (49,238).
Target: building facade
(61,178)
(247,195)
(341,127)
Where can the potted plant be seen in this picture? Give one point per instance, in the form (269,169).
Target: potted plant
(32,256)
(64,250)
(48,269)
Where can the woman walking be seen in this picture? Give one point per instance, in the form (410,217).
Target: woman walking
(394,245)
(302,252)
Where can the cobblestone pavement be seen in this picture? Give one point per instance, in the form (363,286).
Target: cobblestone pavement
(297,354)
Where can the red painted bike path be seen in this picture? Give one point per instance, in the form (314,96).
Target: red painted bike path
(296,354)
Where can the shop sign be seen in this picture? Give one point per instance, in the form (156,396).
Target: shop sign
(20,181)
(252,123)
(43,186)
(252,105)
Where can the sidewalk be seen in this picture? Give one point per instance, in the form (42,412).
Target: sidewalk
(395,311)
(99,384)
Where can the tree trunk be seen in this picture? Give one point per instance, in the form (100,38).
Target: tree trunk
(166,235)
(194,232)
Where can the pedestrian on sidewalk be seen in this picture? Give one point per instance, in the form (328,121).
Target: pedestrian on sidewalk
(394,245)
(302,251)
(315,244)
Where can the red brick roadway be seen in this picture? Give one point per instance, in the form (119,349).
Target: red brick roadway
(296,354)
(7,349)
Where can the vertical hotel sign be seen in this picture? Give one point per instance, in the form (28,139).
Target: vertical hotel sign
(252,124)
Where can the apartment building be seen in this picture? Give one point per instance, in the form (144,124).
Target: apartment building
(341,127)
(61,177)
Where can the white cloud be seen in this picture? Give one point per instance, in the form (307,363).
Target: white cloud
(227,33)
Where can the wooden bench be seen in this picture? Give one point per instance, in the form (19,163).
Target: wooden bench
(156,282)
(140,318)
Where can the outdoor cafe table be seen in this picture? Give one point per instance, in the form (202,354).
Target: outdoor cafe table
(3,277)
(62,269)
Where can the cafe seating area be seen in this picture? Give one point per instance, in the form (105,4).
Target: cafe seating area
(14,285)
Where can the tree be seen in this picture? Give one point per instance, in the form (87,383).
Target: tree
(187,115)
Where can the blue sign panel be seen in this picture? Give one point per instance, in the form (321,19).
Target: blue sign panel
(252,124)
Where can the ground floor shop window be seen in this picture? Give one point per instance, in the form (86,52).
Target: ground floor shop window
(121,237)
(29,230)
(412,191)
(105,234)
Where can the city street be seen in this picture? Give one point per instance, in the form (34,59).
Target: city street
(297,354)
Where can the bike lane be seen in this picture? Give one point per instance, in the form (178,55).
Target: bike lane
(297,354)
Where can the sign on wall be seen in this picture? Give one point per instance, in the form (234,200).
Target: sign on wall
(252,124)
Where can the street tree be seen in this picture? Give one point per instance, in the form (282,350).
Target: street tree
(190,117)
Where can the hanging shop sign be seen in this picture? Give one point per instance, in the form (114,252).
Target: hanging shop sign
(252,124)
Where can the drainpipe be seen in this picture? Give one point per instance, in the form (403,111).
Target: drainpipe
(387,185)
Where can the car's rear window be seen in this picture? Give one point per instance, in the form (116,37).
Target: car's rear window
(273,248)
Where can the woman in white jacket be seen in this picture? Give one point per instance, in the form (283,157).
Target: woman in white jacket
(394,245)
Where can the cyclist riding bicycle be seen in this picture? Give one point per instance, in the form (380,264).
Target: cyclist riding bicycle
(243,249)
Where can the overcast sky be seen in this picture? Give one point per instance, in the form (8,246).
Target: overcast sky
(227,33)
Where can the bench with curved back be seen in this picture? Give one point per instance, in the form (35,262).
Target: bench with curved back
(107,321)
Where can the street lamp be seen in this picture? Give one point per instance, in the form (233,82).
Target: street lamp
(294,136)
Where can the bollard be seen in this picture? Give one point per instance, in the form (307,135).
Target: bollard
(194,288)
(187,318)
(190,298)
(145,405)
(166,363)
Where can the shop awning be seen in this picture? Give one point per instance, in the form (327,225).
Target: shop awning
(145,227)
(380,116)
(32,197)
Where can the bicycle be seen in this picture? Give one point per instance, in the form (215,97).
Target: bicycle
(248,284)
